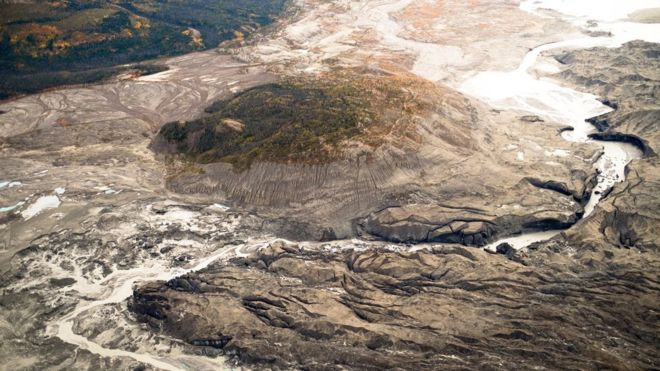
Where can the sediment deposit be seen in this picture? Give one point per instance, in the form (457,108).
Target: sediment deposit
(193,219)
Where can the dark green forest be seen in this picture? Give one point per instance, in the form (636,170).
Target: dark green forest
(48,43)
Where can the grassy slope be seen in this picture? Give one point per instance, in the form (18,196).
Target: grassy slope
(298,120)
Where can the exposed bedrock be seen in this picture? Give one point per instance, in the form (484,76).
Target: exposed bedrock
(636,141)
(635,124)
(580,187)
(629,217)
(449,225)
(551,185)
(451,307)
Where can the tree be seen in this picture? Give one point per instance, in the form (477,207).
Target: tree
(31,39)
(5,44)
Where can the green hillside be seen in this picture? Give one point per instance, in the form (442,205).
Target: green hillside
(78,41)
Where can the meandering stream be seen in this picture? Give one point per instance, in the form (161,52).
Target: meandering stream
(521,90)
(118,286)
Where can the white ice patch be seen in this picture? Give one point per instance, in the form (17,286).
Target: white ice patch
(557,153)
(60,190)
(612,169)
(42,203)
(106,190)
(220,207)
(156,77)
(520,156)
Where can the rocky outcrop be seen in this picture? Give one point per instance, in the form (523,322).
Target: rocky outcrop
(287,307)
(636,141)
(551,185)
(443,224)
(629,217)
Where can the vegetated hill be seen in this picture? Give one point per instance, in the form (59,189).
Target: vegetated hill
(78,41)
(302,120)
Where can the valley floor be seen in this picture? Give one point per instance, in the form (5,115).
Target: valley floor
(116,256)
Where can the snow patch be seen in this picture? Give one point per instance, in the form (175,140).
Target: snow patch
(557,153)
(220,207)
(42,203)
(106,190)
